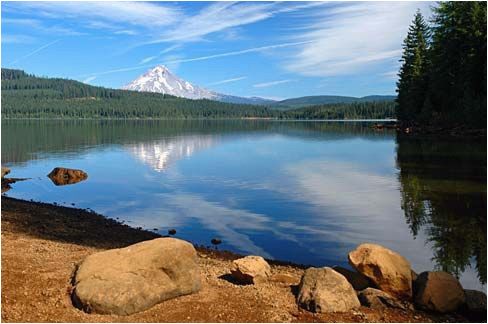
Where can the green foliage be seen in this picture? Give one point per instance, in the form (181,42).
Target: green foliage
(27,96)
(355,110)
(412,82)
(443,77)
(307,101)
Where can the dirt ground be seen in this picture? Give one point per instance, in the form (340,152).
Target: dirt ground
(42,243)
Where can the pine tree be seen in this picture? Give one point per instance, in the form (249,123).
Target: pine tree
(412,83)
(458,53)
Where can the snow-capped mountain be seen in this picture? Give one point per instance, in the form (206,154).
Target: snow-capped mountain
(159,79)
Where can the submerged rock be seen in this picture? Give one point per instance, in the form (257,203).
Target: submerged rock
(388,270)
(64,176)
(438,291)
(250,270)
(323,290)
(134,278)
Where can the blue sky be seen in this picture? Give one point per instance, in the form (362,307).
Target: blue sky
(268,49)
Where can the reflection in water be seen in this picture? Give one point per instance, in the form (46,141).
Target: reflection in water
(443,187)
(307,192)
(159,155)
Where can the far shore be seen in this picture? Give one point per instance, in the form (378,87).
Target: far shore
(43,243)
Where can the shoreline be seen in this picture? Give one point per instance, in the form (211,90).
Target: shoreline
(54,239)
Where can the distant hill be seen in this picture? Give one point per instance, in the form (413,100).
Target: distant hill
(307,101)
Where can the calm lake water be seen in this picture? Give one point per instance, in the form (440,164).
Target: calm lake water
(306,192)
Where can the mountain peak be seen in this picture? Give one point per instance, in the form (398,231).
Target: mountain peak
(160,79)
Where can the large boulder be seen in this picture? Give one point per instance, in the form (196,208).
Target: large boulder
(377,299)
(388,270)
(323,290)
(356,279)
(5,171)
(438,291)
(132,279)
(250,270)
(64,176)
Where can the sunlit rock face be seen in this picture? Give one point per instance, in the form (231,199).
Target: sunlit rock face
(159,155)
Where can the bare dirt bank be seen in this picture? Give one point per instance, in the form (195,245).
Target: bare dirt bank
(42,243)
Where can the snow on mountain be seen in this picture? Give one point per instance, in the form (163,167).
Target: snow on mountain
(159,79)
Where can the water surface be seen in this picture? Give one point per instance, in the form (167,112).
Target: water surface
(306,192)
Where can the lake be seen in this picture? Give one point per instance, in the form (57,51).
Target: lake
(306,192)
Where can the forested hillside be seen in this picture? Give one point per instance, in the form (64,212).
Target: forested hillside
(443,74)
(27,96)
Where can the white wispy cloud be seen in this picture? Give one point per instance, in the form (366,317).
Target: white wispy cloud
(37,50)
(145,14)
(227,81)
(352,37)
(38,26)
(89,79)
(170,48)
(223,16)
(200,58)
(272,83)
(17,39)
(147,59)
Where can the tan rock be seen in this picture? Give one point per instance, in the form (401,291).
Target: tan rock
(134,278)
(250,270)
(438,291)
(388,270)
(285,279)
(5,171)
(324,290)
(356,279)
(64,176)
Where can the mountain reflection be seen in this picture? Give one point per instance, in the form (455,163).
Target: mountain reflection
(159,155)
(443,187)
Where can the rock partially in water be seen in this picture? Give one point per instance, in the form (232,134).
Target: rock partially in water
(250,270)
(377,299)
(133,279)
(438,291)
(356,279)
(5,171)
(388,270)
(323,290)
(65,176)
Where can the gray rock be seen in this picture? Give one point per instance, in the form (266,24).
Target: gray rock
(356,279)
(250,270)
(377,299)
(323,290)
(134,278)
(438,291)
(388,270)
